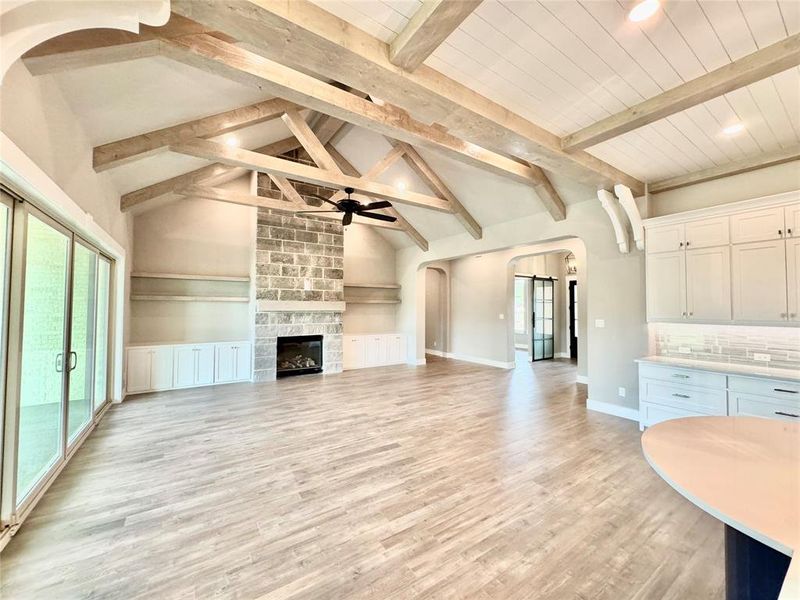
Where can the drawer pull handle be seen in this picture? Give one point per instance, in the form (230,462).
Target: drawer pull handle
(785,391)
(679,376)
(777,412)
(681,396)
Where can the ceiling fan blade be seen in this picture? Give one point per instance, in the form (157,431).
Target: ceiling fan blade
(347,219)
(376,205)
(321,198)
(377,216)
(325,212)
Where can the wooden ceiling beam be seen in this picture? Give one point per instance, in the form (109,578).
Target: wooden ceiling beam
(754,67)
(91,57)
(315,148)
(239,157)
(232,197)
(347,167)
(427,29)
(302,35)
(761,161)
(420,166)
(549,196)
(120,152)
(241,65)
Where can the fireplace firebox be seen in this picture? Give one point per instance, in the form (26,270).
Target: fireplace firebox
(298,355)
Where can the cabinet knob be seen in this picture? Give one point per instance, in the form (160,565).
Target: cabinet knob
(683,314)
(780,233)
(691,313)
(783,315)
(789,231)
(687,244)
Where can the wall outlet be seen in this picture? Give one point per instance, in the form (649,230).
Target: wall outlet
(622,392)
(306,284)
(761,357)
(684,350)
(434,343)
(600,323)
(502,316)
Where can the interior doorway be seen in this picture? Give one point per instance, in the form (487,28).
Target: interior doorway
(436,311)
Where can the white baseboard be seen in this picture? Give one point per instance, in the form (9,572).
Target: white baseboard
(419,361)
(582,379)
(481,361)
(521,346)
(562,355)
(434,352)
(613,409)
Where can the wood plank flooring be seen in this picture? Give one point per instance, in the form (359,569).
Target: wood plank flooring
(450,480)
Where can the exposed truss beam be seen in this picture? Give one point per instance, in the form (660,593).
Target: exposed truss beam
(433,181)
(427,29)
(240,65)
(751,68)
(124,151)
(761,161)
(92,57)
(211,193)
(303,35)
(310,142)
(238,157)
(375,171)
(209,175)
(549,196)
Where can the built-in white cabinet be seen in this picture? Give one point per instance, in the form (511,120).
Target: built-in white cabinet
(666,285)
(373,350)
(164,367)
(233,362)
(667,392)
(149,368)
(193,365)
(739,267)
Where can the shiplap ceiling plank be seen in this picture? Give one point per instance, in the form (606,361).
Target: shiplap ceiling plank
(790,13)
(427,29)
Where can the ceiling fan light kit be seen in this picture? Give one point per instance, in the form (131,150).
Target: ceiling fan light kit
(350,207)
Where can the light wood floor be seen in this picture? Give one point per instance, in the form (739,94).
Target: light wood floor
(445,481)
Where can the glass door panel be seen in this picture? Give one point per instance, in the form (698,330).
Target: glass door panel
(40,434)
(542,319)
(101,335)
(81,359)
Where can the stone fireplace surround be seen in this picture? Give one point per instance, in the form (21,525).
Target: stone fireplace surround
(299,287)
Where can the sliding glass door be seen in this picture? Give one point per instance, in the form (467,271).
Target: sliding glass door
(58,369)
(43,360)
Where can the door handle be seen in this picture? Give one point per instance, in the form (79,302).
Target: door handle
(73,364)
(785,414)
(785,391)
(59,362)
(681,396)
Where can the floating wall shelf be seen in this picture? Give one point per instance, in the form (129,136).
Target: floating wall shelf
(167,298)
(240,278)
(376,286)
(371,301)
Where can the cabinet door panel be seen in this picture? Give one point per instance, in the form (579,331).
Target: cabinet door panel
(708,284)
(666,238)
(225,363)
(139,369)
(396,351)
(757,225)
(666,285)
(375,350)
(793,277)
(204,374)
(185,365)
(708,232)
(161,378)
(243,360)
(759,281)
(792,220)
(353,351)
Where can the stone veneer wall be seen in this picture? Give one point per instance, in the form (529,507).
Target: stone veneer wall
(297,259)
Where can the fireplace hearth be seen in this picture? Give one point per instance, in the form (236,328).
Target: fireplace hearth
(299,355)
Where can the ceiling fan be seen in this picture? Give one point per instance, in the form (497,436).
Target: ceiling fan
(351,207)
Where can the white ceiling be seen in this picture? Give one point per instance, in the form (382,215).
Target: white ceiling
(565,65)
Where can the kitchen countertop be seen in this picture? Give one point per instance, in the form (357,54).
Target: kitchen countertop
(741,470)
(724,368)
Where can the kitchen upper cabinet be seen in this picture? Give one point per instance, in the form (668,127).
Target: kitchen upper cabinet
(793,277)
(758,225)
(759,281)
(705,233)
(708,284)
(666,286)
(665,238)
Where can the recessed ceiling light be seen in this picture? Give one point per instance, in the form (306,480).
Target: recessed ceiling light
(643,10)
(400,185)
(733,129)
(232,141)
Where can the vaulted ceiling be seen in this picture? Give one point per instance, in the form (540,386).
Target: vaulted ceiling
(552,68)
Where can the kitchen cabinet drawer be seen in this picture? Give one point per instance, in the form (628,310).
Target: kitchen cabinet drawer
(683,376)
(695,399)
(782,390)
(759,406)
(650,414)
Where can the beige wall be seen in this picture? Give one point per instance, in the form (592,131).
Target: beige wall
(369,258)
(436,282)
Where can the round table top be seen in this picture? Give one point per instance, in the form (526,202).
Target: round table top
(745,471)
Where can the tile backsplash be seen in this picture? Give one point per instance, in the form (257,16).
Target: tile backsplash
(727,343)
